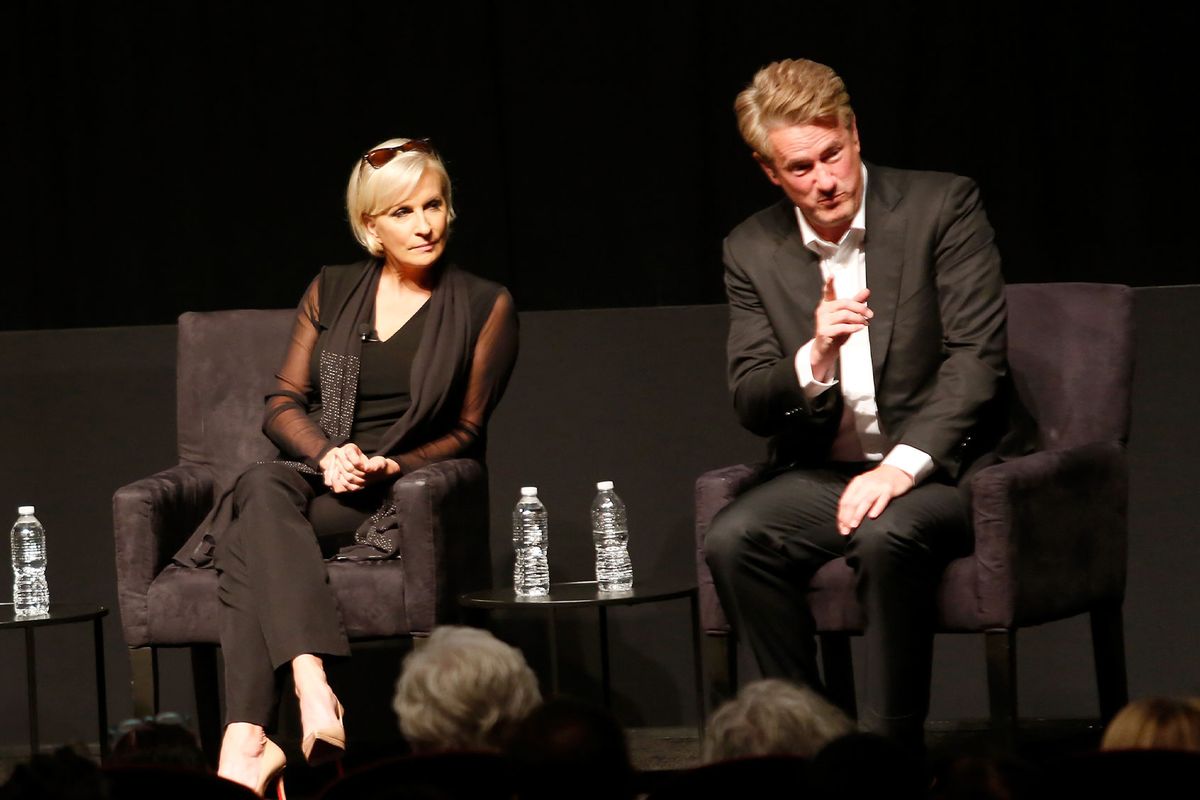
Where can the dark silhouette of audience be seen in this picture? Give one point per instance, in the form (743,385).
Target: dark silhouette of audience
(977,777)
(61,775)
(469,705)
(866,765)
(570,748)
(154,743)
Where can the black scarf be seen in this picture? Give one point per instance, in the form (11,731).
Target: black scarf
(439,374)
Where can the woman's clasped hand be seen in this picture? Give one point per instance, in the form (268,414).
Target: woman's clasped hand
(347,468)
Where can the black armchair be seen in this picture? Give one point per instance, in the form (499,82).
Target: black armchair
(226,360)
(1050,527)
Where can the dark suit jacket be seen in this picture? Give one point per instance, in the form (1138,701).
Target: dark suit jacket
(937,337)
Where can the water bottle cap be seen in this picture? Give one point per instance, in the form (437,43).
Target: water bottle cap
(25,511)
(528,491)
(604,486)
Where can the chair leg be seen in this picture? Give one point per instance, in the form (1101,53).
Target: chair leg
(1002,684)
(837,667)
(1108,649)
(208,705)
(143,680)
(719,654)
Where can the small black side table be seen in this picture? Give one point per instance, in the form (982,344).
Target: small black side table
(60,614)
(583,594)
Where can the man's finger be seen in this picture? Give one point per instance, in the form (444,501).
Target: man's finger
(878,506)
(845,514)
(859,511)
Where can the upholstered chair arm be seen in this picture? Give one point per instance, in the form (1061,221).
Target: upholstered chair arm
(151,519)
(715,490)
(1050,533)
(442,509)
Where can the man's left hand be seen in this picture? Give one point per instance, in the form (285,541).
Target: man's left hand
(869,494)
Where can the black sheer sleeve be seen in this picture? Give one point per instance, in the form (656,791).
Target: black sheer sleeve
(491,365)
(287,422)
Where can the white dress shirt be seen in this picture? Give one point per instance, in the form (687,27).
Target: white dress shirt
(858,437)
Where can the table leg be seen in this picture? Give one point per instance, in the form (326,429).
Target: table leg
(31,688)
(101,684)
(697,662)
(553,638)
(605,678)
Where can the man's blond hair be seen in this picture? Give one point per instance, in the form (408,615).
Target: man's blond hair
(786,93)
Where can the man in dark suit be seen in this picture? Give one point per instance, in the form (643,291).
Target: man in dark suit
(867,339)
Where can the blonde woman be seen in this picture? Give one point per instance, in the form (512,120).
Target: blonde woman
(394,362)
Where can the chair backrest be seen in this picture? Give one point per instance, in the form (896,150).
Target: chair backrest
(226,364)
(1070,349)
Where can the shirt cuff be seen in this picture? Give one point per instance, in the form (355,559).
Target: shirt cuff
(808,384)
(917,463)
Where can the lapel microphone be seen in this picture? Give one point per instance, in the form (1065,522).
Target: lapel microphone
(366,333)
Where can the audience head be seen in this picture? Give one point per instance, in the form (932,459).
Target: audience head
(463,689)
(157,743)
(982,777)
(867,766)
(1155,723)
(385,175)
(64,775)
(569,748)
(790,92)
(773,717)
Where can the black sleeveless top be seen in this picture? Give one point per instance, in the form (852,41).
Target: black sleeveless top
(384,387)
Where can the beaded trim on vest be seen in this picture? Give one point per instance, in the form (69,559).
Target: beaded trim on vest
(338,372)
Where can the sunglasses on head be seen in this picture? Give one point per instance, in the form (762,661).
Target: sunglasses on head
(382,155)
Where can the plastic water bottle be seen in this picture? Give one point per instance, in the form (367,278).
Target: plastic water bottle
(610,532)
(31,595)
(531,531)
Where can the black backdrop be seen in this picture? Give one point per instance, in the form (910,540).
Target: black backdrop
(192,154)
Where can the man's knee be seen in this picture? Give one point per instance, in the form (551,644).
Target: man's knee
(883,542)
(930,524)
(728,539)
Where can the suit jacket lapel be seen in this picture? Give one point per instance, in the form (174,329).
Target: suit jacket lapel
(797,268)
(885,262)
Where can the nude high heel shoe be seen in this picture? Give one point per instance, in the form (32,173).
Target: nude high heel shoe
(326,744)
(270,767)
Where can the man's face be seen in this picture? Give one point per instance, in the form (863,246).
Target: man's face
(819,168)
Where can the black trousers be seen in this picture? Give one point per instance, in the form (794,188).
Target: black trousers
(765,547)
(276,602)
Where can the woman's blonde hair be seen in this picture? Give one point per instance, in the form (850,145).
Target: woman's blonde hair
(373,191)
(790,92)
(1155,723)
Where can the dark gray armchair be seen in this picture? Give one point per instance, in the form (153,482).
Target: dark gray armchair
(1050,527)
(225,367)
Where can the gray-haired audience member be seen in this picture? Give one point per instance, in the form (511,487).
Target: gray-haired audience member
(463,689)
(772,718)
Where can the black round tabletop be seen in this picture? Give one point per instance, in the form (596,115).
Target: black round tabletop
(578,593)
(59,614)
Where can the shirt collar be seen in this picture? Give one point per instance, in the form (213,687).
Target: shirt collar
(857,229)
